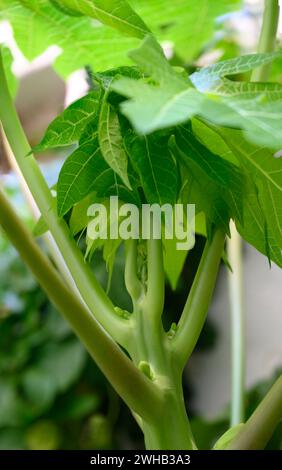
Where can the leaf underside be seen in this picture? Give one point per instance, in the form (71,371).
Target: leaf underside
(151,133)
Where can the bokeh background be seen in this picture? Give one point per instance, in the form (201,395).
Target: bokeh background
(52,396)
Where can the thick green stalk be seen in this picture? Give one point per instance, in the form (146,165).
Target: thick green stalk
(148,298)
(149,316)
(237,327)
(147,338)
(172,430)
(90,290)
(259,428)
(196,308)
(140,394)
(267,38)
(154,303)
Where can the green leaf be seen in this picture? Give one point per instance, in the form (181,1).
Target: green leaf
(39,25)
(177,21)
(155,107)
(68,127)
(80,175)
(259,120)
(111,141)
(79,218)
(200,190)
(64,9)
(151,60)
(90,132)
(258,206)
(11,79)
(254,107)
(40,227)
(255,229)
(173,262)
(215,183)
(242,64)
(85,171)
(208,136)
(249,90)
(174,22)
(174,259)
(109,255)
(105,79)
(152,159)
(266,172)
(208,78)
(158,107)
(152,108)
(172,101)
(108,246)
(115,13)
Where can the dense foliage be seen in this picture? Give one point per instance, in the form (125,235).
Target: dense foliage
(227,147)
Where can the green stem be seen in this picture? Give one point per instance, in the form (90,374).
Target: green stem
(267,38)
(47,237)
(172,430)
(138,392)
(237,327)
(132,283)
(147,332)
(155,283)
(196,308)
(147,337)
(149,317)
(90,290)
(260,426)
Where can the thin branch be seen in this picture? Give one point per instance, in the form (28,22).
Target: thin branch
(258,430)
(141,395)
(267,39)
(235,279)
(35,212)
(197,305)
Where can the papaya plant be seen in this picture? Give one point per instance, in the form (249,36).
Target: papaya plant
(151,131)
